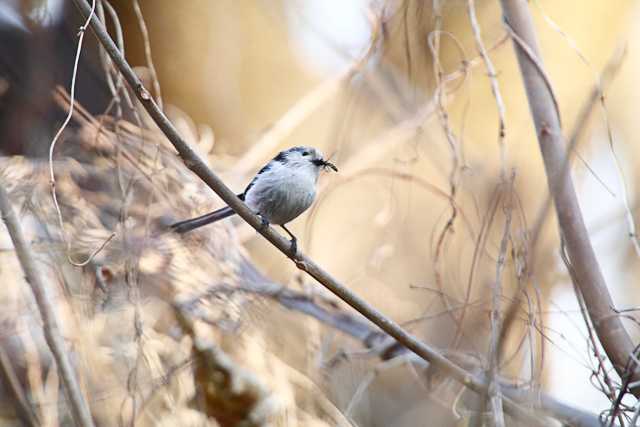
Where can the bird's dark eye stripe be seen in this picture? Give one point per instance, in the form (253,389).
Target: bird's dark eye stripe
(305,153)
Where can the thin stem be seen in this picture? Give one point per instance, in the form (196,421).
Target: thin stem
(147,52)
(495,394)
(52,178)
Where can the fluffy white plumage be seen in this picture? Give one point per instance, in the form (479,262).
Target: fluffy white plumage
(282,190)
(286,187)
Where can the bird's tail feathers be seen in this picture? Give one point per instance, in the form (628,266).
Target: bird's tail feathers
(191,224)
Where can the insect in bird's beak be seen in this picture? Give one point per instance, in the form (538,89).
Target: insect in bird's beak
(327,164)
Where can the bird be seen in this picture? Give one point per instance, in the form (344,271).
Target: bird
(280,192)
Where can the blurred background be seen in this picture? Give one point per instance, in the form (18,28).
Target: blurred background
(395,92)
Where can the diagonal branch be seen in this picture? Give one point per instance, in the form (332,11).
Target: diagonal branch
(588,277)
(79,406)
(196,165)
(383,346)
(23,410)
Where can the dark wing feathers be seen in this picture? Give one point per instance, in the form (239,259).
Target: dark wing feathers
(253,181)
(280,158)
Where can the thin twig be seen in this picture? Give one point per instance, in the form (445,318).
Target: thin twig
(147,52)
(107,66)
(610,393)
(439,95)
(119,84)
(12,384)
(495,87)
(309,103)
(287,123)
(605,118)
(195,164)
(79,406)
(495,395)
(478,250)
(52,178)
(622,182)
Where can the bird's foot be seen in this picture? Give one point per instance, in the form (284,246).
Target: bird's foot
(294,247)
(265,223)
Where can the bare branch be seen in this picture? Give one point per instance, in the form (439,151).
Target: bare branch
(493,79)
(79,405)
(495,394)
(610,389)
(588,276)
(23,410)
(147,52)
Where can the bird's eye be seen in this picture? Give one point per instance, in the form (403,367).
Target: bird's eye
(305,153)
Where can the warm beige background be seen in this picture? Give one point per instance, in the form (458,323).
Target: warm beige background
(236,67)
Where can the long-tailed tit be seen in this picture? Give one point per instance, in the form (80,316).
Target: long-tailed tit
(282,190)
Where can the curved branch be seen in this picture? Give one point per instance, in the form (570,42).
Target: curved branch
(588,277)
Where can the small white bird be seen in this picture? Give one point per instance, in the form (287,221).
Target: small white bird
(282,190)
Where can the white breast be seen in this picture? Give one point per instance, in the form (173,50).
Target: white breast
(281,193)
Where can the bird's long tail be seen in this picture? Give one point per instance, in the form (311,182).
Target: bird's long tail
(193,223)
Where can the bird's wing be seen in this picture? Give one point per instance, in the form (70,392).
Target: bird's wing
(264,169)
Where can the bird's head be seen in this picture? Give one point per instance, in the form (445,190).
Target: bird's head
(305,157)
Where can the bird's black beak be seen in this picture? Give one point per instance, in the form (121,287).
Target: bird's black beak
(325,164)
